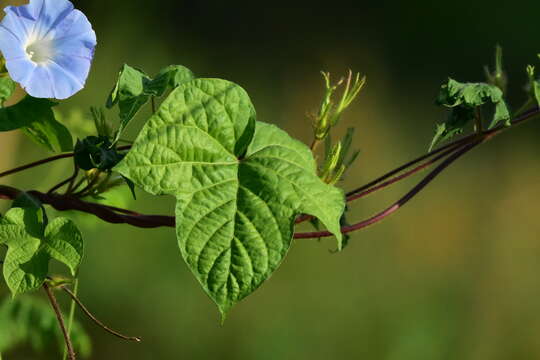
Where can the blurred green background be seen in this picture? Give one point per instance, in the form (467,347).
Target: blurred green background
(454,275)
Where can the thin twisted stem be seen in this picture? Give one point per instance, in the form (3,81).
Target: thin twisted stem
(60,318)
(96,320)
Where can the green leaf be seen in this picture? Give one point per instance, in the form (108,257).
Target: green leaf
(536,91)
(31,245)
(238,191)
(134,88)
(31,321)
(63,242)
(129,93)
(7,87)
(36,118)
(463,99)
(169,78)
(23,113)
(50,133)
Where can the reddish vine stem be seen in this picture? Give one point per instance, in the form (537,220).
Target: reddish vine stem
(58,312)
(377,185)
(69,180)
(488,134)
(106,213)
(122,216)
(397,205)
(404,175)
(36,163)
(454,145)
(96,320)
(48,160)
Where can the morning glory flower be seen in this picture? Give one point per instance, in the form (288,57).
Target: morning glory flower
(48,47)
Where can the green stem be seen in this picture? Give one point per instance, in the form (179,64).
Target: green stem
(153,100)
(314,145)
(71,315)
(478,121)
(94,319)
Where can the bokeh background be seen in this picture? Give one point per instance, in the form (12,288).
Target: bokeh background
(453,275)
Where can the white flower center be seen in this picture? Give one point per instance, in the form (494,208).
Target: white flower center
(41,51)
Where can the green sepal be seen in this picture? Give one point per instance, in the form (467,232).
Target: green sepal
(96,152)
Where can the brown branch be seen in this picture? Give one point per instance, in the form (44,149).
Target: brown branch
(96,320)
(60,318)
(106,213)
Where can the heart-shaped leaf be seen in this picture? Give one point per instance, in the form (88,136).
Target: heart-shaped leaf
(31,245)
(239,185)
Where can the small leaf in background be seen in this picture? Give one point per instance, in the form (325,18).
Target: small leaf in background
(31,322)
(169,78)
(331,110)
(534,85)
(536,90)
(36,118)
(134,89)
(238,191)
(129,93)
(31,245)
(464,99)
(7,87)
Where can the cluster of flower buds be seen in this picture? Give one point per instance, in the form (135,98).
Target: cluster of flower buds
(337,158)
(331,111)
(498,76)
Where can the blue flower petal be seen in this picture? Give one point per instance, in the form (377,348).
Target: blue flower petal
(10,44)
(48,47)
(21,70)
(39,83)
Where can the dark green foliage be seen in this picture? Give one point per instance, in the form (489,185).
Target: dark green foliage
(36,118)
(134,89)
(96,152)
